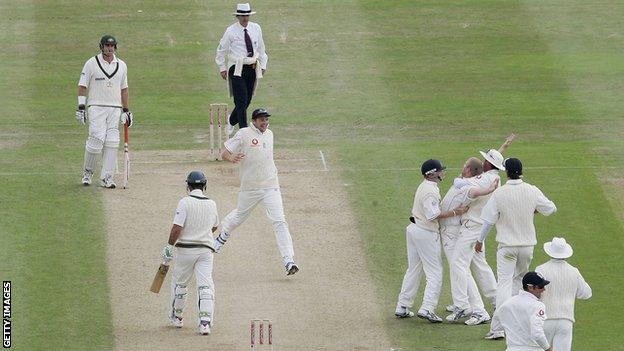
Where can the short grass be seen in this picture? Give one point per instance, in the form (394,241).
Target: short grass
(383,85)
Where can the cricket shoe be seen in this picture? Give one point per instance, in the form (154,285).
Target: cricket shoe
(176,321)
(458,314)
(291,268)
(450,308)
(477,318)
(496,335)
(87,176)
(403,312)
(204,327)
(108,182)
(430,316)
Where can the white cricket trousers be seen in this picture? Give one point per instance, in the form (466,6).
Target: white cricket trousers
(512,263)
(103,134)
(272,200)
(559,333)
(187,262)
(463,259)
(424,253)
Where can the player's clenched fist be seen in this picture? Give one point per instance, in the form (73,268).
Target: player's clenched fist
(81,114)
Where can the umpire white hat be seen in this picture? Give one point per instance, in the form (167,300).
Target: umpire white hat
(558,248)
(494,157)
(243,10)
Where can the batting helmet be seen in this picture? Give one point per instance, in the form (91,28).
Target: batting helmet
(431,166)
(108,39)
(260,112)
(196,178)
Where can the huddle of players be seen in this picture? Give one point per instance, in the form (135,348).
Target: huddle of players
(461,221)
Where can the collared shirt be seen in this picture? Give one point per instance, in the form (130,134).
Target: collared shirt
(104,80)
(197,214)
(522,317)
(257,169)
(232,45)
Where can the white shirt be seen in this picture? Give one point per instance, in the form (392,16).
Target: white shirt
(522,317)
(426,207)
(455,197)
(511,207)
(232,45)
(483,180)
(197,215)
(257,169)
(566,285)
(104,80)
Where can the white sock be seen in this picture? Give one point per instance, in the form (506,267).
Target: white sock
(109,161)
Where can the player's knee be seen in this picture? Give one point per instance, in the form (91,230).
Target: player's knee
(112,138)
(280,224)
(94,144)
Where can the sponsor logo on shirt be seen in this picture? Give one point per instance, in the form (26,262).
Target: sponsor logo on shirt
(100,78)
(254,142)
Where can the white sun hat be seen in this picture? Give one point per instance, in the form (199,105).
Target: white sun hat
(243,10)
(494,157)
(558,248)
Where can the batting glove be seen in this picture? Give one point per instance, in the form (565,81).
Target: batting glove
(81,114)
(127,117)
(167,253)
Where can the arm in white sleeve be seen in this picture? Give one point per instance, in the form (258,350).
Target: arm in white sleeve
(545,206)
(583,291)
(263,58)
(431,207)
(222,50)
(485,230)
(537,328)
(180,214)
(460,182)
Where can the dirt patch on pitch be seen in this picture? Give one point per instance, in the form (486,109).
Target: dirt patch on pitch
(331,304)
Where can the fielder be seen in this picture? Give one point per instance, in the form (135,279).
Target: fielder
(195,220)
(522,316)
(566,285)
(464,254)
(241,57)
(423,245)
(104,78)
(512,208)
(458,195)
(252,147)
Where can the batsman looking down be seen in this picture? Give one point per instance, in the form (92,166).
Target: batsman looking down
(195,220)
(252,148)
(104,78)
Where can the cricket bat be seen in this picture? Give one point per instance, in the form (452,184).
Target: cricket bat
(159,278)
(126,157)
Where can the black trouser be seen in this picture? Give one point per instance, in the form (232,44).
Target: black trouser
(242,90)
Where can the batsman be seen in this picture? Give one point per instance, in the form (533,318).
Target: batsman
(102,103)
(196,218)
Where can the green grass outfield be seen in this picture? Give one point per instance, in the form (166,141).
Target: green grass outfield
(382,84)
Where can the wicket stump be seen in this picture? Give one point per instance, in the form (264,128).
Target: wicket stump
(218,114)
(262,342)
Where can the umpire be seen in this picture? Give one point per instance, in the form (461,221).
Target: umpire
(242,58)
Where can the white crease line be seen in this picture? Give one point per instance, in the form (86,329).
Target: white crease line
(325,169)
(209,161)
(458,168)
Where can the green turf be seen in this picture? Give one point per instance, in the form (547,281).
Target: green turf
(381,84)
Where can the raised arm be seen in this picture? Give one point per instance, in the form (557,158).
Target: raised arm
(507,142)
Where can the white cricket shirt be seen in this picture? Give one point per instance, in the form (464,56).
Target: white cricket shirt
(104,81)
(426,207)
(522,317)
(483,180)
(197,215)
(566,285)
(257,169)
(232,45)
(511,207)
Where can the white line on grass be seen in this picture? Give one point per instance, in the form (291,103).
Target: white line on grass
(323,160)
